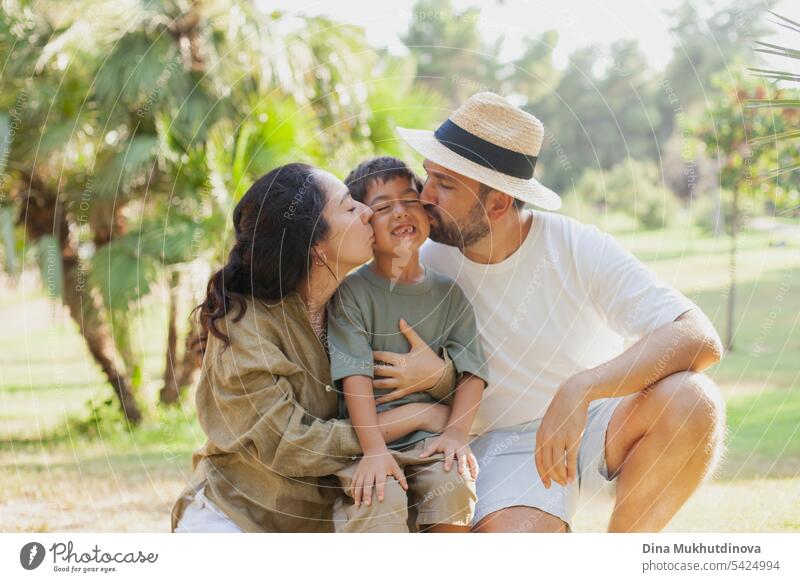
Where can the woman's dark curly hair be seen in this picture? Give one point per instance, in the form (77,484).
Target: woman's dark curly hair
(275,223)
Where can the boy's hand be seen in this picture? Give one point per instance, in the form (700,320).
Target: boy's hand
(414,371)
(372,470)
(453,443)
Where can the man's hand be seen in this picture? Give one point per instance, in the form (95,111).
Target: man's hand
(415,371)
(559,436)
(453,443)
(372,470)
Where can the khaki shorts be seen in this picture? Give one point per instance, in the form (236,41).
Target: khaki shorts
(434,496)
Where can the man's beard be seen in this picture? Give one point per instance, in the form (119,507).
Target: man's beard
(448,232)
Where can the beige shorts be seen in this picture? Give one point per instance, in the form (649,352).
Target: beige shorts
(434,496)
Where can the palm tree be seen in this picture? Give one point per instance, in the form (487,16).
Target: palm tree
(143,125)
(43,89)
(790,107)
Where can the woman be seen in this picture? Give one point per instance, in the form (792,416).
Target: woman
(264,400)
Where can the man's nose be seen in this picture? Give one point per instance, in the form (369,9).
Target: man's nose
(366,213)
(427,195)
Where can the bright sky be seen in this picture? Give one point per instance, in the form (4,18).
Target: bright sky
(578,22)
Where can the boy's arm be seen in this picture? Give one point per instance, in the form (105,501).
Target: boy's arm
(391,424)
(360,400)
(377,461)
(465,404)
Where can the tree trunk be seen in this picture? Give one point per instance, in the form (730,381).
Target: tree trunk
(732,284)
(171,391)
(41,212)
(85,308)
(719,214)
(192,358)
(178,372)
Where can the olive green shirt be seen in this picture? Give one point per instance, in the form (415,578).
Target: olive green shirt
(269,412)
(364,316)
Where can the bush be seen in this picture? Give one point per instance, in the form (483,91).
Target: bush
(704,212)
(632,187)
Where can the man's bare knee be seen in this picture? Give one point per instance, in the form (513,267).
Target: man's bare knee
(691,406)
(690,401)
(520,519)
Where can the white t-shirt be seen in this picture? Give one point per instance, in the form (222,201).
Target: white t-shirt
(564,302)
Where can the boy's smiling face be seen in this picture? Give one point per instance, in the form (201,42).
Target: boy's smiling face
(399,220)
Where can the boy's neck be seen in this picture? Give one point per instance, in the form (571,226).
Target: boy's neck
(406,269)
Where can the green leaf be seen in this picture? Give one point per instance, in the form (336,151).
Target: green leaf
(121,273)
(138,71)
(128,167)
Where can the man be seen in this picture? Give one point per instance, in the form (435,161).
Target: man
(594,365)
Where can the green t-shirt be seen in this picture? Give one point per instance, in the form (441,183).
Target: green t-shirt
(364,316)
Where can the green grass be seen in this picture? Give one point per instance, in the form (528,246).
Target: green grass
(60,471)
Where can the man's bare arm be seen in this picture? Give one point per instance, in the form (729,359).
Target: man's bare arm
(690,343)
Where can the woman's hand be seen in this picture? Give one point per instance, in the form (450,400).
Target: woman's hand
(453,443)
(415,371)
(372,470)
(435,417)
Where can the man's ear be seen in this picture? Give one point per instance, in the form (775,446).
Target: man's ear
(498,204)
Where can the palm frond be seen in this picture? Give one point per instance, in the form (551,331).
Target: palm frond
(787,22)
(138,70)
(780,103)
(790,134)
(776,75)
(128,167)
(122,273)
(774,49)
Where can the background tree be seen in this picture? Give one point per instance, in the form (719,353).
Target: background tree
(136,129)
(787,197)
(727,131)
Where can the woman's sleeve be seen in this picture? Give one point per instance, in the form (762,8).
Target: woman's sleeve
(445,387)
(246,404)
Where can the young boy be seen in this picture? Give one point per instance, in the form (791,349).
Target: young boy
(364,316)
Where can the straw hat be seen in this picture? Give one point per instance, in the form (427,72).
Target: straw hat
(490,140)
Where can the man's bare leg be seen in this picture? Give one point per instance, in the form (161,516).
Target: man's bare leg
(662,442)
(520,519)
(444,528)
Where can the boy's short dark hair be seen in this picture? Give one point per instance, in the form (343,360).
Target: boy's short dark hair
(382,170)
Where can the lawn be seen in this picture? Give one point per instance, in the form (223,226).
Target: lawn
(59,471)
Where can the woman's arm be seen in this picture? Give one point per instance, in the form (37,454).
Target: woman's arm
(403,420)
(454,441)
(465,404)
(246,404)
